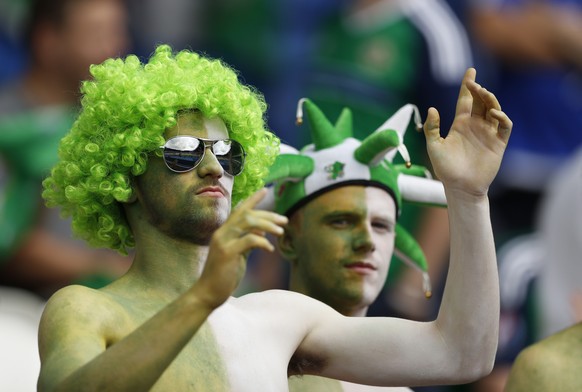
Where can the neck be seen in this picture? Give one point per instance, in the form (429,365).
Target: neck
(163,264)
(361,311)
(343,307)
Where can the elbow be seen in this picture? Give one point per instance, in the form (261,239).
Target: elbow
(483,356)
(466,374)
(469,362)
(478,371)
(473,356)
(473,367)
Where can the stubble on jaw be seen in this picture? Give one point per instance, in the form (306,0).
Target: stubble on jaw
(200,231)
(196,228)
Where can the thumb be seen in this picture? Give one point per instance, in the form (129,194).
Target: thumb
(432,125)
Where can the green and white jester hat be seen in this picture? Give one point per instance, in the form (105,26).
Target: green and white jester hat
(336,158)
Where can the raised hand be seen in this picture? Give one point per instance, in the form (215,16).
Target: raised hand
(243,231)
(468,158)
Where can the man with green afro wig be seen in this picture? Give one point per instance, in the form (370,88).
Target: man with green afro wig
(158,155)
(126,109)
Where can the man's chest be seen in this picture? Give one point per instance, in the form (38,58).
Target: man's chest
(200,366)
(230,352)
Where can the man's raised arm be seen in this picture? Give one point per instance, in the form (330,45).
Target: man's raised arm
(460,345)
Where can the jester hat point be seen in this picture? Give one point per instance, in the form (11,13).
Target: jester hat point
(335,159)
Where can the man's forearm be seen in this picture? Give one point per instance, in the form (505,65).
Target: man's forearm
(469,315)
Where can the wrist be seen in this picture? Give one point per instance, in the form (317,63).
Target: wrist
(203,298)
(465,196)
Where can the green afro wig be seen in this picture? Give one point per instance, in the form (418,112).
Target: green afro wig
(126,108)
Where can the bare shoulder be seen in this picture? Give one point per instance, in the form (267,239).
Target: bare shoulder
(283,301)
(551,364)
(563,349)
(74,311)
(287,315)
(78,303)
(77,324)
(75,293)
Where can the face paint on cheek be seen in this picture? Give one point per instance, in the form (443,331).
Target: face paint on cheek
(381,219)
(340,244)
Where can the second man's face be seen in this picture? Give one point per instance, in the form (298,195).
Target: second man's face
(344,241)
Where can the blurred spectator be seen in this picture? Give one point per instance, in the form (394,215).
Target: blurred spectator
(62,38)
(179,23)
(270,43)
(534,50)
(20,313)
(555,288)
(559,284)
(373,56)
(531,53)
(541,273)
(13,56)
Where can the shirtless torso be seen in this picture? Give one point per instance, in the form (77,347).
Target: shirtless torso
(245,343)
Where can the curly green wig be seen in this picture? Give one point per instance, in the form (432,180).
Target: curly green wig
(126,108)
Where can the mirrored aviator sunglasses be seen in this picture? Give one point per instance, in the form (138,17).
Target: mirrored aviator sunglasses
(183,153)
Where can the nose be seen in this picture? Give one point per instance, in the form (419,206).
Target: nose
(209,166)
(362,241)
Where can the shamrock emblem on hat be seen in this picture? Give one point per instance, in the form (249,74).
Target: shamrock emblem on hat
(335,170)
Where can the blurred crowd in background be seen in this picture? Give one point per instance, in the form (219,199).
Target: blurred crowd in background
(373,56)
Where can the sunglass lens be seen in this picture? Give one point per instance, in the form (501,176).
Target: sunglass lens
(230,155)
(183,153)
(181,161)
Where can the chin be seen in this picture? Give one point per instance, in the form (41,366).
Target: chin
(370,294)
(221,209)
(199,229)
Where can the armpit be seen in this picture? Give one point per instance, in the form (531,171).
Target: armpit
(301,364)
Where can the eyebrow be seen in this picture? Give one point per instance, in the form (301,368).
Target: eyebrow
(354,214)
(390,219)
(341,213)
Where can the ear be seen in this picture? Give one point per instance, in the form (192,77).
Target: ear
(286,247)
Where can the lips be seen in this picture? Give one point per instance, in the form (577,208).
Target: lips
(214,191)
(361,266)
